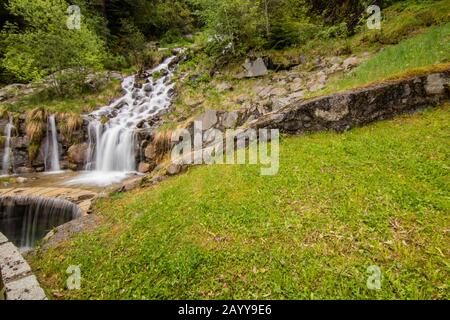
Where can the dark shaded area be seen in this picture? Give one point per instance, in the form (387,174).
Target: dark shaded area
(26,220)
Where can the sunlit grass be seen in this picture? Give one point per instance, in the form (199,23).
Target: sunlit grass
(376,195)
(422,51)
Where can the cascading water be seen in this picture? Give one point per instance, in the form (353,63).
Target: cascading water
(112,143)
(6,163)
(51,147)
(25,220)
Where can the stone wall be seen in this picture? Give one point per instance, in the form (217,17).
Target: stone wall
(16,279)
(342,111)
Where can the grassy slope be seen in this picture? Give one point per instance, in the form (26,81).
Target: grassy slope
(376,195)
(409,56)
(78,104)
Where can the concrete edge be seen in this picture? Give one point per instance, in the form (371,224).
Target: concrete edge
(16,279)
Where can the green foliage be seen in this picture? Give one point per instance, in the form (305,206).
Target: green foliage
(233,25)
(46,46)
(405,18)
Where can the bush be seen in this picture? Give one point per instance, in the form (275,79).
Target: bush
(45,46)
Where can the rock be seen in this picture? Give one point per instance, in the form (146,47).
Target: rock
(191,103)
(20,142)
(334,68)
(148,87)
(230,120)
(174,169)
(144,167)
(335,60)
(296,86)
(208,119)
(317,82)
(21,180)
(296,96)
(280,103)
(350,63)
(223,86)
(78,153)
(255,68)
(115,75)
(157,179)
(150,152)
(241,99)
(131,184)
(316,87)
(24,170)
(435,84)
(265,92)
(278,92)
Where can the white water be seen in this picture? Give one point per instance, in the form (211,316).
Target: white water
(51,147)
(6,163)
(112,145)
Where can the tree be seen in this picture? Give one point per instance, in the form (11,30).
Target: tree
(47,46)
(234,26)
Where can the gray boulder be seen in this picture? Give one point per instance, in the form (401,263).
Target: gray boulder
(255,68)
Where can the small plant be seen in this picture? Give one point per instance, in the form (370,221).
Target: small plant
(35,124)
(68,123)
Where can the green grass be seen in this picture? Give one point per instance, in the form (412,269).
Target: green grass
(377,195)
(421,51)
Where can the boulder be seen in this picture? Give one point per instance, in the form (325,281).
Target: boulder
(78,153)
(174,169)
(208,119)
(350,63)
(230,120)
(150,152)
(255,68)
(131,184)
(148,87)
(144,167)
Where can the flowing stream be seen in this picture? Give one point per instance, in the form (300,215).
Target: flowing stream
(51,147)
(112,152)
(6,161)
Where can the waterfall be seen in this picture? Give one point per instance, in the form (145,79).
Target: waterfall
(112,151)
(24,220)
(51,147)
(6,163)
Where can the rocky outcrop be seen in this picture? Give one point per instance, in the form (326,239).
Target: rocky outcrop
(342,111)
